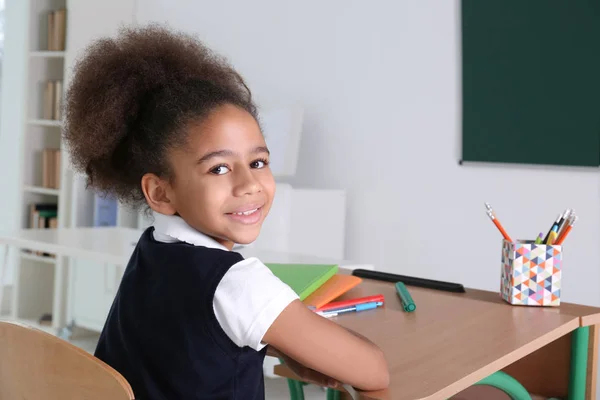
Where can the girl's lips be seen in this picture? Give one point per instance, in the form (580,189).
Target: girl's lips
(247,217)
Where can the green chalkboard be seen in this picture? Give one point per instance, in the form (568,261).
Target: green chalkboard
(531,81)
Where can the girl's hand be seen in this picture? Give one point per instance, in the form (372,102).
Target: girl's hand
(309,375)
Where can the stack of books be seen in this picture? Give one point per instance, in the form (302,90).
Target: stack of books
(42,216)
(319,286)
(57,30)
(51,168)
(53,91)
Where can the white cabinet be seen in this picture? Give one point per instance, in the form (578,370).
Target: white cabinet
(92,288)
(305,221)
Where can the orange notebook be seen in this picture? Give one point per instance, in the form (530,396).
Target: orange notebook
(336,286)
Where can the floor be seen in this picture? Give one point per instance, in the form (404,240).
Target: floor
(277,389)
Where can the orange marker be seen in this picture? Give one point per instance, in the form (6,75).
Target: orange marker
(565,232)
(492,216)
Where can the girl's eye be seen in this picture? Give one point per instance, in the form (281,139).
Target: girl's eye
(220,170)
(259,164)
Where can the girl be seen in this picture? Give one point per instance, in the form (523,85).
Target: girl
(157,119)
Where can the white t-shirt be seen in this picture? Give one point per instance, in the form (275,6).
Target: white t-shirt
(249,297)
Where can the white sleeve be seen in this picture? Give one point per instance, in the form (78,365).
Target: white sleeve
(247,301)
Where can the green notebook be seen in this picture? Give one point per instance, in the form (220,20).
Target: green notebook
(303,278)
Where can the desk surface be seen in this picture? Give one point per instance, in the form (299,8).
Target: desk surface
(454,340)
(114,245)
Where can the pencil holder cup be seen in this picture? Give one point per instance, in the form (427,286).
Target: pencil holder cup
(531,273)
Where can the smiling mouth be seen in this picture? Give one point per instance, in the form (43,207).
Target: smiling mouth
(247,217)
(249,212)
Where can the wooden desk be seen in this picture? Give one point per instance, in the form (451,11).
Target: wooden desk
(452,341)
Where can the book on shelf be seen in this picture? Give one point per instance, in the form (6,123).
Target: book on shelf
(51,168)
(53,92)
(42,216)
(57,30)
(105,210)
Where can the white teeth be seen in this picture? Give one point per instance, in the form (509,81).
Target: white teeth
(246,212)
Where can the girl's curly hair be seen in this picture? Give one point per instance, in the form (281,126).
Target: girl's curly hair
(131,98)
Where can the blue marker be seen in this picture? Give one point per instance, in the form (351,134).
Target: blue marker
(356,308)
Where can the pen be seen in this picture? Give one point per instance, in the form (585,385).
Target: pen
(494,219)
(538,240)
(355,308)
(407,302)
(550,230)
(565,232)
(564,220)
(327,315)
(559,220)
(352,302)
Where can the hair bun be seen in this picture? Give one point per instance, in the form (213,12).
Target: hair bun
(111,83)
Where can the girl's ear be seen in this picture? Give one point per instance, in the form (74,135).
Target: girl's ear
(157,193)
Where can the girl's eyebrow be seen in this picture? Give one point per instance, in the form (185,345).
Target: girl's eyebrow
(260,149)
(229,153)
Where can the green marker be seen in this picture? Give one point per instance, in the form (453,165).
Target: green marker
(407,302)
(538,240)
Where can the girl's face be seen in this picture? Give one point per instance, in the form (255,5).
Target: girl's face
(222,186)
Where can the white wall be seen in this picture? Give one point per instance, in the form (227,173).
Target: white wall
(14,82)
(381,86)
(89,20)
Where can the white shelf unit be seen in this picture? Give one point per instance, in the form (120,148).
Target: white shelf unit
(44,122)
(41,259)
(47,54)
(41,190)
(38,276)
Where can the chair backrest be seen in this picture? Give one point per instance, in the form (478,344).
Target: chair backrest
(36,365)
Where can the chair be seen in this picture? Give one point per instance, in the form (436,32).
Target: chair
(36,365)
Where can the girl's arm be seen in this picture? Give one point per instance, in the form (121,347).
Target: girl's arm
(326,347)
(304,373)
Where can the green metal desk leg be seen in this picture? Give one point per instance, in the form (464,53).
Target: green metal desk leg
(333,394)
(296,389)
(506,383)
(579,359)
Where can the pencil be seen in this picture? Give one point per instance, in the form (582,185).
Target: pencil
(568,222)
(564,220)
(565,232)
(494,219)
